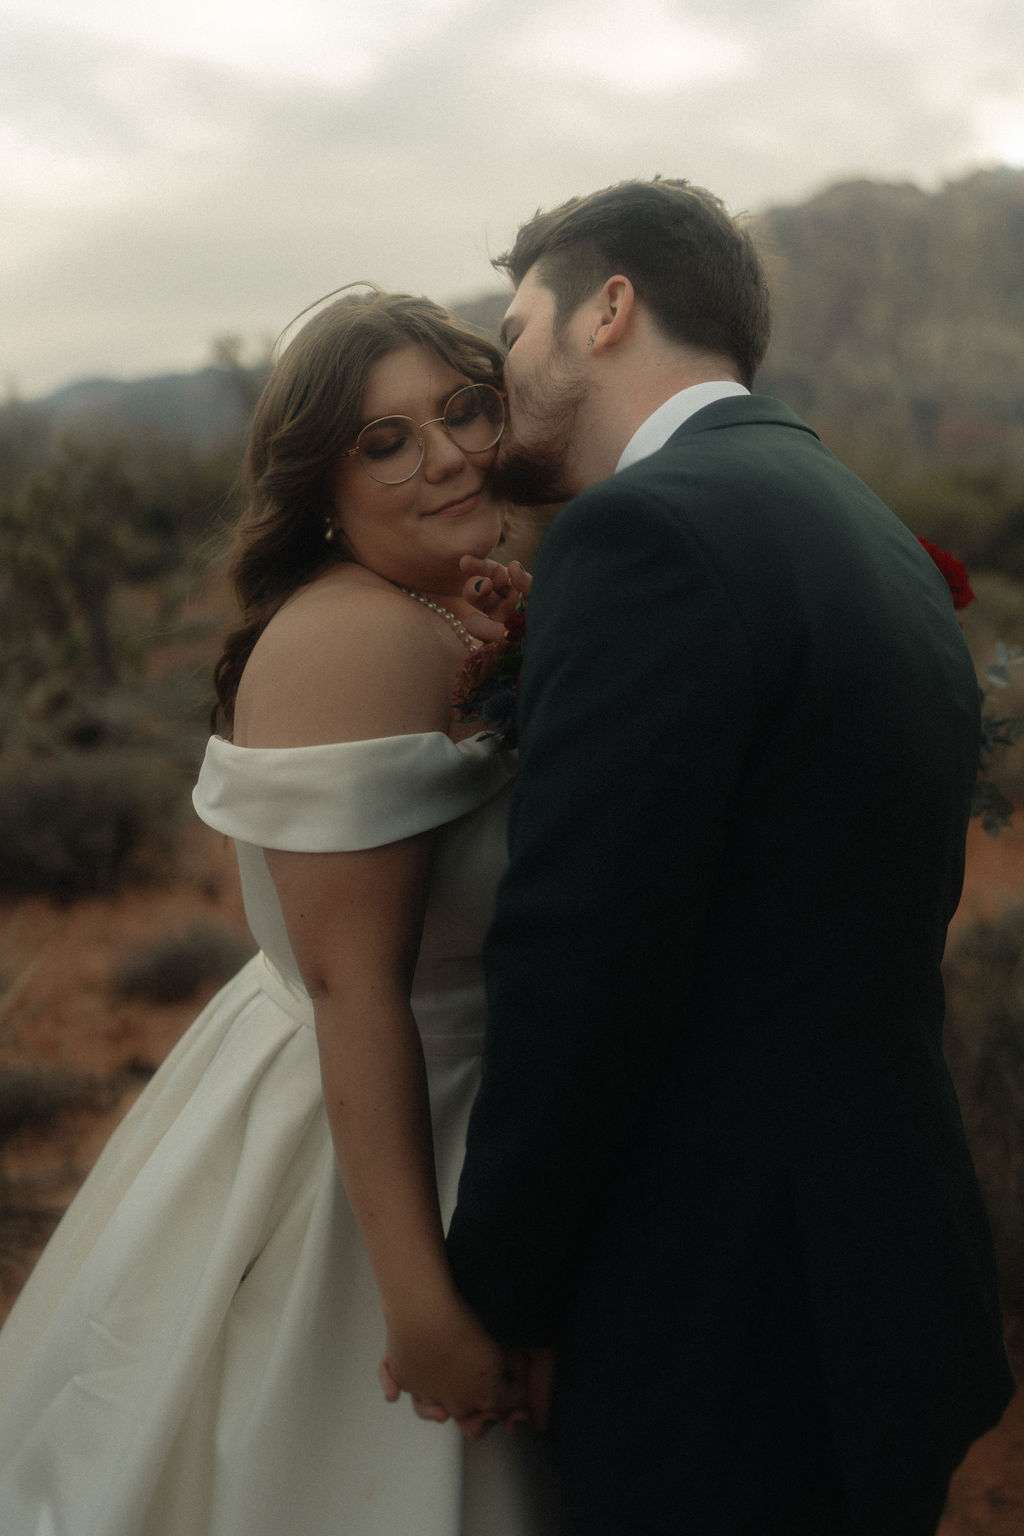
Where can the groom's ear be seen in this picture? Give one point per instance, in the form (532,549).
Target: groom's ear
(613,308)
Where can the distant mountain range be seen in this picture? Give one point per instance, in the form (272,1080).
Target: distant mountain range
(900,320)
(204,407)
(899,331)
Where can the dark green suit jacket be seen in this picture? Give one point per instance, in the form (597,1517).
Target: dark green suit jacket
(716,1156)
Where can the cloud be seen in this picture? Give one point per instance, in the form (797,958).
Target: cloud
(669,51)
(174,173)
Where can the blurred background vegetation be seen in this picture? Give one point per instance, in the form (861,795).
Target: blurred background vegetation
(899,337)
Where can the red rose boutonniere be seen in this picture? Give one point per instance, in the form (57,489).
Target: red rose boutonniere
(954,572)
(487,687)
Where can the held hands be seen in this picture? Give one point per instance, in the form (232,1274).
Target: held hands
(494,590)
(452,1368)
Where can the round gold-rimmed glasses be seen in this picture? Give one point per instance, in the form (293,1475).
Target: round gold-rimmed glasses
(391,449)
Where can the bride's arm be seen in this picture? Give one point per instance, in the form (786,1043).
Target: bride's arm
(354,921)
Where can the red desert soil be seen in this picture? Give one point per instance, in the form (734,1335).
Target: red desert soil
(57,1010)
(58,961)
(994,877)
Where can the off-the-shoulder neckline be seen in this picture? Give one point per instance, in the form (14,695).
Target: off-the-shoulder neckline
(222,744)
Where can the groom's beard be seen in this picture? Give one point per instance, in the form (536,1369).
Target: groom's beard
(537,473)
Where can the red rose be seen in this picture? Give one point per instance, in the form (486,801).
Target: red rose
(954,572)
(515,628)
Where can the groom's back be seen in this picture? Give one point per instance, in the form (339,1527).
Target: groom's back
(800,1212)
(845,830)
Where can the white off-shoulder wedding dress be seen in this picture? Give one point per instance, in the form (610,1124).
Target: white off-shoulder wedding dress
(196,1351)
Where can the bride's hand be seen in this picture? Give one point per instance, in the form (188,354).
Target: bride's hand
(494,591)
(453,1368)
(478,1424)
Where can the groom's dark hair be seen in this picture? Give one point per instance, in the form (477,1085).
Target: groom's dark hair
(691,263)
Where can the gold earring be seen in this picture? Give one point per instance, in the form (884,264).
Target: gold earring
(590,341)
(328,530)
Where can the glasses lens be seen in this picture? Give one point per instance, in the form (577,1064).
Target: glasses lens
(391,449)
(475,417)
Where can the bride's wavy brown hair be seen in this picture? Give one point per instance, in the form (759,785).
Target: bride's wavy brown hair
(308,413)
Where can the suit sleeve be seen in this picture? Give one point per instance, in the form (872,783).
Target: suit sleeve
(637,702)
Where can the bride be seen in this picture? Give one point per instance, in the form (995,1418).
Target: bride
(196,1353)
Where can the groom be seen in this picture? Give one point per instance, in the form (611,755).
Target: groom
(716,1160)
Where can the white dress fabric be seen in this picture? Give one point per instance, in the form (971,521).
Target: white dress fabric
(196,1352)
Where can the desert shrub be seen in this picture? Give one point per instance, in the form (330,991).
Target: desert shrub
(25,1225)
(979,516)
(994,629)
(985,1048)
(998,612)
(171,968)
(79,823)
(35,1097)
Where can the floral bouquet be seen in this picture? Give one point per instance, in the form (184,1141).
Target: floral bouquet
(487,687)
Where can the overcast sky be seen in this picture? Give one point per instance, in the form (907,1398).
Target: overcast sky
(174,173)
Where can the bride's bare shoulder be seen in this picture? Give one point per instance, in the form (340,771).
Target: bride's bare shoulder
(345,660)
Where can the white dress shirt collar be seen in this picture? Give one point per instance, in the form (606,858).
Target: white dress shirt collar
(655,432)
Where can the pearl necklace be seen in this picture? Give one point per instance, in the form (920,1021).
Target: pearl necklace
(460,629)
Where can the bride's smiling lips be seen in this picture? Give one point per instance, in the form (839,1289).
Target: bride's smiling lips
(456,508)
